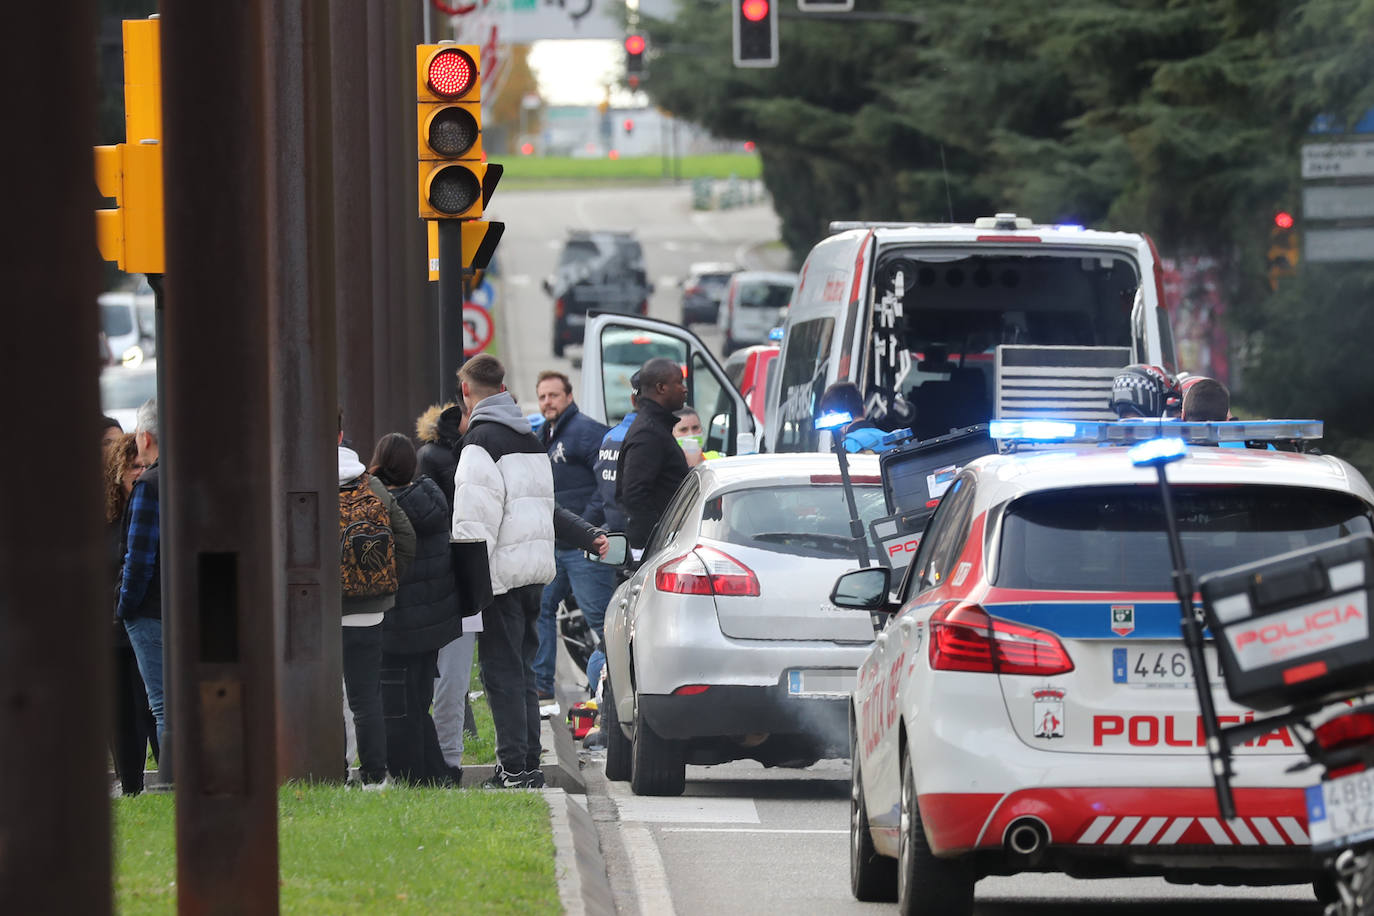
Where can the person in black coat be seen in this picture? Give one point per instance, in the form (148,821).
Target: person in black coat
(424,619)
(440,431)
(651,464)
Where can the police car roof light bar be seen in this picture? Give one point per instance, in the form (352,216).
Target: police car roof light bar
(1130,432)
(834,419)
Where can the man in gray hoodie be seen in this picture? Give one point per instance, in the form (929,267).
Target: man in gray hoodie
(362,629)
(503,495)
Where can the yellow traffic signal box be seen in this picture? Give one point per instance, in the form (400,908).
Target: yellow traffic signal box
(448,94)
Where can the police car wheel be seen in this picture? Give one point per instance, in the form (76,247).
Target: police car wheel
(872,876)
(617,745)
(656,764)
(927,885)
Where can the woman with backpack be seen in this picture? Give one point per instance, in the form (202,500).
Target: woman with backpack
(376,547)
(424,619)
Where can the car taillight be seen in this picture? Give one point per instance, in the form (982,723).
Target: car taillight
(964,638)
(692,291)
(706,571)
(644,307)
(1347,729)
(558,308)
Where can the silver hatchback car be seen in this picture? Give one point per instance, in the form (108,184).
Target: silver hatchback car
(723,644)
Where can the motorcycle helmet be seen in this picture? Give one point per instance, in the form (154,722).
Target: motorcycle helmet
(1142,391)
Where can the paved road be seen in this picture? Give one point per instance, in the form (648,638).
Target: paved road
(743,838)
(673,236)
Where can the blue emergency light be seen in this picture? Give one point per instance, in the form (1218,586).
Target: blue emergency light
(775,334)
(1157,452)
(834,419)
(1033,431)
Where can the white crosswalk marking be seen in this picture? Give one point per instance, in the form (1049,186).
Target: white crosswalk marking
(1123,830)
(1147,833)
(1096,829)
(1176,829)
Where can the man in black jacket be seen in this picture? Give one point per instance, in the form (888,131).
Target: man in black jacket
(651,463)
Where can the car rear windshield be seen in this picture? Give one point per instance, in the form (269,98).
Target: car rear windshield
(764,295)
(808,521)
(713,282)
(578,250)
(1112,538)
(116,320)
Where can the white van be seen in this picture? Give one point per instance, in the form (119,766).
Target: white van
(920,316)
(917,315)
(751,306)
(127,319)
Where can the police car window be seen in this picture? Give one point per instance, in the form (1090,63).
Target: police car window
(803,380)
(623,351)
(944,539)
(674,516)
(1112,538)
(805,520)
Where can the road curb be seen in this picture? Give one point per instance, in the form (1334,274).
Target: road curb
(580,866)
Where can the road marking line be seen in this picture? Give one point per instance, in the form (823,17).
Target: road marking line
(688,810)
(780,830)
(519,280)
(651,879)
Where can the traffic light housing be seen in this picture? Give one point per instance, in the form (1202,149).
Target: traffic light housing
(755,32)
(132,234)
(454,180)
(635,46)
(1282,259)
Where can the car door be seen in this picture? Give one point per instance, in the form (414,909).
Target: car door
(615,346)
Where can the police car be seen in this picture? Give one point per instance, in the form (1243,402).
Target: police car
(1029,704)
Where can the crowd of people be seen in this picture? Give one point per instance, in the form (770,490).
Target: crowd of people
(540,503)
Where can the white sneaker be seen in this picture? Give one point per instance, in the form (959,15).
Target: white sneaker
(548,710)
(378,786)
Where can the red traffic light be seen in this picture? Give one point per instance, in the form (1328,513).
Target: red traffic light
(754,10)
(1283,219)
(451,73)
(629,124)
(634,44)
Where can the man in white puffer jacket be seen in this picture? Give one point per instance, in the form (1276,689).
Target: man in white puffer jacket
(503,494)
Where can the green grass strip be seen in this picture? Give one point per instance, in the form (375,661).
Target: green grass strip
(540,169)
(347,851)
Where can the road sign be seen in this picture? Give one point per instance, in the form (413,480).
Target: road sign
(483,296)
(1338,160)
(477,328)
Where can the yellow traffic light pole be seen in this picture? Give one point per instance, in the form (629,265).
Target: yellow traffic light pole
(132,234)
(455,184)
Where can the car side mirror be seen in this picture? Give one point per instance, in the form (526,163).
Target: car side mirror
(862,589)
(617,551)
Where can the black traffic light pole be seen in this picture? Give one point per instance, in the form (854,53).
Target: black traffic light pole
(451,294)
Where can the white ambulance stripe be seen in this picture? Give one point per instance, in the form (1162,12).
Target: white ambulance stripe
(1267,831)
(1242,832)
(1096,829)
(1214,830)
(1176,829)
(1147,833)
(1122,831)
(1294,830)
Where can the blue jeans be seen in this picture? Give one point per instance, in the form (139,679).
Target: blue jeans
(591,583)
(145,635)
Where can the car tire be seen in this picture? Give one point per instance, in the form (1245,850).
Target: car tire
(617,745)
(872,876)
(656,764)
(926,884)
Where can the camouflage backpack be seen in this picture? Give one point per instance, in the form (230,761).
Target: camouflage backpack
(367,547)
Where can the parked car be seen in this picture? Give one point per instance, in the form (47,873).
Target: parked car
(722,644)
(748,371)
(753,302)
(123,389)
(597,269)
(703,290)
(1030,704)
(126,318)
